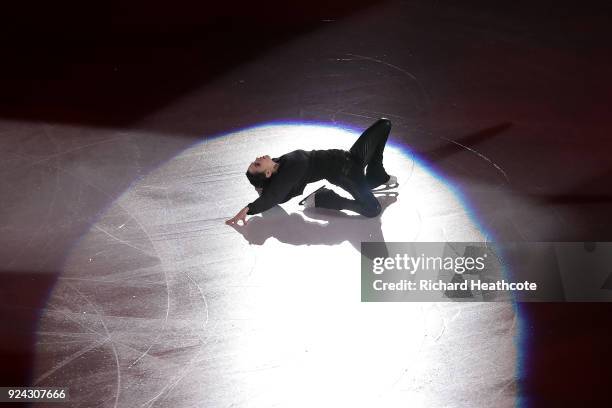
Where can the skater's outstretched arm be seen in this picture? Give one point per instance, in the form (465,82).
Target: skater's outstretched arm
(278,189)
(272,195)
(238,217)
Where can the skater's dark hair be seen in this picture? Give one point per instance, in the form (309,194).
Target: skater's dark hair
(258,180)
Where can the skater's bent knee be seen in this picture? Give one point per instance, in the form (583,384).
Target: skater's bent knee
(373,210)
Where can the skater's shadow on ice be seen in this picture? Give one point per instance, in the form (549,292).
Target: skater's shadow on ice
(330,228)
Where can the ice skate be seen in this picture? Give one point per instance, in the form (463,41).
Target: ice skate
(389,184)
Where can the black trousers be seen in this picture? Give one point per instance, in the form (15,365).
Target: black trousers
(366,154)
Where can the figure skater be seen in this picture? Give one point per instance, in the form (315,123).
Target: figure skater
(357,171)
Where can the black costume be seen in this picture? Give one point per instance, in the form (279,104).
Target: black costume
(340,167)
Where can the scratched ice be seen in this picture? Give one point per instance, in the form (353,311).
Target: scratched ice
(162,304)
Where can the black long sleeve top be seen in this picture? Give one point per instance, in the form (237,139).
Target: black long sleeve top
(295,170)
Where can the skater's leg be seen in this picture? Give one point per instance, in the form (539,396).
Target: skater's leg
(363,201)
(370,145)
(368,150)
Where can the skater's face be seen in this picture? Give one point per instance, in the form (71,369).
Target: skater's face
(262,164)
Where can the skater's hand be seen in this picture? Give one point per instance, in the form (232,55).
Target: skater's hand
(240,216)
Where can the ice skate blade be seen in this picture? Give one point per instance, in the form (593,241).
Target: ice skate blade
(386,193)
(385,187)
(314,192)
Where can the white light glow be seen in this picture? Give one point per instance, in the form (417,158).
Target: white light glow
(270,314)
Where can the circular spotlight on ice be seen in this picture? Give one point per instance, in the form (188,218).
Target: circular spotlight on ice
(165,304)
